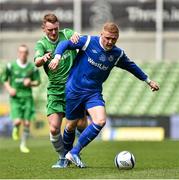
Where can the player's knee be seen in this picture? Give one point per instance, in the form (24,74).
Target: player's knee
(27,124)
(70,126)
(101,122)
(82,123)
(17,122)
(54,130)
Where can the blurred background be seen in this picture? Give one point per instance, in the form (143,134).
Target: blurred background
(149,34)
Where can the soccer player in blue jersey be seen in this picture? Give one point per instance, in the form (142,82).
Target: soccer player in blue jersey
(96,58)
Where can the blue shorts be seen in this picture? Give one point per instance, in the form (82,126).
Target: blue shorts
(77,103)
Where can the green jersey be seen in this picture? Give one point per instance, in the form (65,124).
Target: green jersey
(16,72)
(57,78)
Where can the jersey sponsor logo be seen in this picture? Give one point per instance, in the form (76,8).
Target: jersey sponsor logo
(19,80)
(98,65)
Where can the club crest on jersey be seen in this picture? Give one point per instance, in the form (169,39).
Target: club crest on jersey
(111,58)
(102,58)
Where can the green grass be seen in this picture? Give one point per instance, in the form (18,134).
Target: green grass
(154,160)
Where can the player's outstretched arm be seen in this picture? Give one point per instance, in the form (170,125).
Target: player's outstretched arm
(153,85)
(62,47)
(125,63)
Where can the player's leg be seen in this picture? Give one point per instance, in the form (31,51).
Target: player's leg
(69,134)
(95,107)
(74,112)
(55,121)
(16,128)
(55,114)
(25,136)
(89,134)
(98,116)
(28,113)
(73,128)
(16,115)
(81,125)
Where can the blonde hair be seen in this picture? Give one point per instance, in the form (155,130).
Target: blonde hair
(24,46)
(111,27)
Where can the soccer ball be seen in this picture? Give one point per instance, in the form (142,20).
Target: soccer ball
(124,160)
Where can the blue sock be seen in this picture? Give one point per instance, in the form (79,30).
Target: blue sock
(86,137)
(68,140)
(80,130)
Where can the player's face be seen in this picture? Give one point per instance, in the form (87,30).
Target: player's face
(23,54)
(109,39)
(51,30)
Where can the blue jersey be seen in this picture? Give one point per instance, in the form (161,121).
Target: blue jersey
(93,64)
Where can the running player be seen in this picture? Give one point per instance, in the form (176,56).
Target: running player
(19,78)
(96,58)
(44,50)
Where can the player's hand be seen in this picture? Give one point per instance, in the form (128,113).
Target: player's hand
(46,57)
(12,92)
(75,37)
(153,85)
(53,64)
(27,82)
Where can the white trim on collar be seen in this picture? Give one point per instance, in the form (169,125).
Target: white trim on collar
(53,42)
(20,64)
(101,43)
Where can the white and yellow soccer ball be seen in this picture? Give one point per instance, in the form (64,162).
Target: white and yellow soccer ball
(124,160)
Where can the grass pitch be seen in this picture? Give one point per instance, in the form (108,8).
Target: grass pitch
(153,160)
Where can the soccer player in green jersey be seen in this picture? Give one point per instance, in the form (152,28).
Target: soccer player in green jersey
(44,50)
(19,77)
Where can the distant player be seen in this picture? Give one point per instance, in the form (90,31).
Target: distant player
(19,78)
(96,58)
(44,51)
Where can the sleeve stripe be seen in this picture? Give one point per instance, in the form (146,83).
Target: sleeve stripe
(87,43)
(119,57)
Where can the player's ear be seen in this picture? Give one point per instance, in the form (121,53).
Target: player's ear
(43,27)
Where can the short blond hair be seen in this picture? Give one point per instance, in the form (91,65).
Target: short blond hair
(24,46)
(111,27)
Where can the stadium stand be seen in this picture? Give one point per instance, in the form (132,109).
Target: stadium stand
(125,95)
